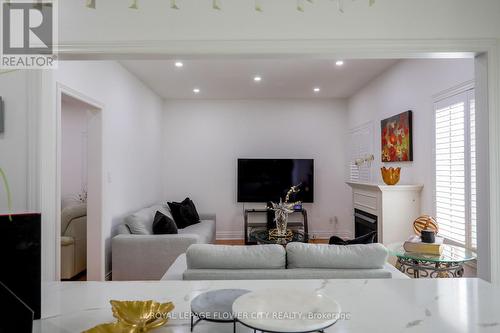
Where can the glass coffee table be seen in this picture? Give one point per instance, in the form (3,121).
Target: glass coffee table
(450,264)
(263,236)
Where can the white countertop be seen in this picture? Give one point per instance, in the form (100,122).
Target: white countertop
(390,305)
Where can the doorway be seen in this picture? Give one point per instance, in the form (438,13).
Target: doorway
(78,238)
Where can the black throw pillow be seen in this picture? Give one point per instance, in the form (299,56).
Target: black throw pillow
(163,225)
(365,239)
(189,213)
(175,210)
(184,213)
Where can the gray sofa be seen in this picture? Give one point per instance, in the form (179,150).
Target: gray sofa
(138,254)
(297,261)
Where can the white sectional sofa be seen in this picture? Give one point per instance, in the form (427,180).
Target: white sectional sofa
(296,261)
(142,255)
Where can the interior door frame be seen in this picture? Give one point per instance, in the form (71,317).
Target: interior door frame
(95,242)
(331,48)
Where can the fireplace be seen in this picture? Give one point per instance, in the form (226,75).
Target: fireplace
(389,210)
(364,223)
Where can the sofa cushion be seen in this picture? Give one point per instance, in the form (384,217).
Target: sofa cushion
(205,256)
(123,229)
(283,274)
(205,230)
(369,256)
(141,222)
(163,225)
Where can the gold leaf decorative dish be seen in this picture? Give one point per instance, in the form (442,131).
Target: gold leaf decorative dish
(112,328)
(143,315)
(135,317)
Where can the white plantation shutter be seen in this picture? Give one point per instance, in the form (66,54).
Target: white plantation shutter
(455,168)
(473,212)
(360,147)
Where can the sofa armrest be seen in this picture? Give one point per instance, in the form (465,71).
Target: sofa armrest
(395,273)
(205,216)
(67,241)
(77,228)
(177,269)
(147,257)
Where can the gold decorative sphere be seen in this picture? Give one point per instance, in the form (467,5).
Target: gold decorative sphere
(425,222)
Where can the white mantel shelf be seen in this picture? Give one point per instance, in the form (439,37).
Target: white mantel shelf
(385,305)
(384,187)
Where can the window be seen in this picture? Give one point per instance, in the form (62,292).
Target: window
(361,151)
(455,168)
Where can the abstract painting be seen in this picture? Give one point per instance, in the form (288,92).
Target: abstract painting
(397,143)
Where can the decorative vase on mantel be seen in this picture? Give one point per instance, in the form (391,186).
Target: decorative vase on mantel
(282,210)
(391,175)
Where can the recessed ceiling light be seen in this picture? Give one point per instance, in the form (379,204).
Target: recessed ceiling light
(339,62)
(196,90)
(179,64)
(257,78)
(317,90)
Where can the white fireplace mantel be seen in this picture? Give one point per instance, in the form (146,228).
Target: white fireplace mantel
(396,207)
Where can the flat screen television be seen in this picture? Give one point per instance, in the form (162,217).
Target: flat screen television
(263,180)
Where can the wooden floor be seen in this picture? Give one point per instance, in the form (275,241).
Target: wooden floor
(242,242)
(80,277)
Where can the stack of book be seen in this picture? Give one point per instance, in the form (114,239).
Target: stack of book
(415,245)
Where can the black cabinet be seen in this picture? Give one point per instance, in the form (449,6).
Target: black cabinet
(20,275)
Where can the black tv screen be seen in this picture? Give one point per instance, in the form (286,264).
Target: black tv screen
(263,180)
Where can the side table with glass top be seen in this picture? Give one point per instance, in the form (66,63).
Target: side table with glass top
(264,236)
(450,264)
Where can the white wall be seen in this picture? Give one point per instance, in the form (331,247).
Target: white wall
(131,137)
(204,139)
(14,141)
(74,118)
(409,85)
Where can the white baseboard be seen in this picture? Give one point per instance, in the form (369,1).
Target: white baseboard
(314,234)
(229,235)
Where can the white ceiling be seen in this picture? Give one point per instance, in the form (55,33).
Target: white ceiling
(233,78)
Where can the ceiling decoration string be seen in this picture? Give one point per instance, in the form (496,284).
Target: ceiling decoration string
(216,4)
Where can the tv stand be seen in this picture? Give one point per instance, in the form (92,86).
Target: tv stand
(262,225)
